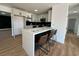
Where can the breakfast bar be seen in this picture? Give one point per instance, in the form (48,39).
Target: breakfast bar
(28,38)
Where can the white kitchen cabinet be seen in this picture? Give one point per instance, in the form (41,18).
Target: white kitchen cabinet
(44,15)
(34,18)
(29,15)
(21,12)
(16,11)
(25,13)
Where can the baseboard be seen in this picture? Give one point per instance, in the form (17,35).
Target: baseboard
(78,36)
(59,43)
(5,29)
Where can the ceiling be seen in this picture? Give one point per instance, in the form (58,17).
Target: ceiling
(30,7)
(74,9)
(41,7)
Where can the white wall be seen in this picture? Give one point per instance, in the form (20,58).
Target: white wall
(49,15)
(59,20)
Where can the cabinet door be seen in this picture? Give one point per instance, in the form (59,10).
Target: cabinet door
(17,12)
(34,18)
(29,15)
(23,13)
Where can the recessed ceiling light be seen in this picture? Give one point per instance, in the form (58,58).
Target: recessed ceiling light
(75,11)
(35,10)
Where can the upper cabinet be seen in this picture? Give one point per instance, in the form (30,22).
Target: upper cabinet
(47,16)
(26,14)
(21,13)
(29,15)
(43,16)
(16,11)
(34,18)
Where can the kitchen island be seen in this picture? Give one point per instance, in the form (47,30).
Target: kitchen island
(28,38)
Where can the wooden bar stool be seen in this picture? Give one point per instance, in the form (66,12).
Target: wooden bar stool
(41,44)
(51,40)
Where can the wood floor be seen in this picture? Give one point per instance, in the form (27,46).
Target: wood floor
(9,46)
(69,48)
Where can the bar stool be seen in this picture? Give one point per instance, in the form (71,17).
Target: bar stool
(51,37)
(41,44)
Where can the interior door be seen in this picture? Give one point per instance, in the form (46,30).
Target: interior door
(71,25)
(78,31)
(18,25)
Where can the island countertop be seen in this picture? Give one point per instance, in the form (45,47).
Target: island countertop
(38,30)
(28,38)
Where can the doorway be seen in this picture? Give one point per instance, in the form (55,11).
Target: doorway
(71,25)
(5,25)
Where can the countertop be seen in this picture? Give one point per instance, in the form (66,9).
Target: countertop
(38,30)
